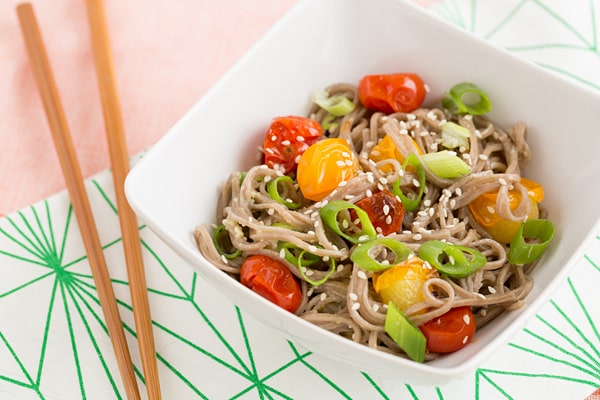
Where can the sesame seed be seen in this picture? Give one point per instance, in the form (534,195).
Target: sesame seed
(431,211)
(465,339)
(355,306)
(312,248)
(282,253)
(417,236)
(300,138)
(452,203)
(297,159)
(427,203)
(383,180)
(416,182)
(386,209)
(411,117)
(478,133)
(325,258)
(342,183)
(368,193)
(323,296)
(502,181)
(345,154)
(451,260)
(375,307)
(361,274)
(363,238)
(270,211)
(349,197)
(491,289)
(340,268)
(370,178)
(268,178)
(224,260)
(483,157)
(310,292)
(340,163)
(311,233)
(353,296)
(273,138)
(458,191)
(491,210)
(388,220)
(286,142)
(270,151)
(451,153)
(349,163)
(467,319)
(309,272)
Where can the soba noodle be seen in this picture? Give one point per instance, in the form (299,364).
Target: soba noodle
(346,302)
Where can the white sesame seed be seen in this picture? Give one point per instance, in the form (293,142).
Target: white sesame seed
(388,220)
(375,307)
(404,131)
(465,339)
(309,272)
(368,193)
(353,296)
(431,211)
(491,210)
(363,238)
(349,197)
(452,203)
(502,181)
(300,138)
(323,296)
(312,248)
(268,178)
(467,319)
(224,259)
(458,191)
(386,209)
(270,151)
(370,178)
(286,142)
(273,138)
(340,268)
(342,183)
(282,253)
(361,274)
(416,182)
(417,236)
(427,203)
(491,289)
(297,159)
(310,292)
(311,233)
(340,163)
(270,211)
(451,260)
(383,180)
(483,157)
(355,306)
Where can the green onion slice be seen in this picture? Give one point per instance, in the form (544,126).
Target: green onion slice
(531,240)
(446,164)
(453,260)
(363,254)
(336,105)
(328,123)
(222,242)
(455,136)
(297,256)
(330,213)
(283,184)
(467,98)
(408,203)
(304,270)
(405,333)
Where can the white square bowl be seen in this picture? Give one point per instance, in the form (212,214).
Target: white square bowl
(173,188)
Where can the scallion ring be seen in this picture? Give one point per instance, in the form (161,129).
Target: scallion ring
(446,164)
(365,254)
(453,260)
(531,240)
(408,203)
(336,105)
(283,185)
(467,98)
(222,242)
(304,271)
(297,256)
(330,214)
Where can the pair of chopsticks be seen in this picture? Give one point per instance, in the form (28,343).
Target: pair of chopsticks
(80,202)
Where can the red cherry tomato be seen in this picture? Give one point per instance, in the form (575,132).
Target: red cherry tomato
(385,211)
(287,138)
(272,280)
(451,331)
(402,92)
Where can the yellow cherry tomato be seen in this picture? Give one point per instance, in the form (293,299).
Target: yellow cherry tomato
(403,283)
(386,149)
(323,166)
(483,209)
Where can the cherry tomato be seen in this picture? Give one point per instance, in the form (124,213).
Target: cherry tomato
(287,138)
(272,280)
(451,331)
(385,211)
(403,283)
(386,149)
(323,166)
(483,209)
(402,92)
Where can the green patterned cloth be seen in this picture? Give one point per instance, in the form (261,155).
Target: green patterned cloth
(54,344)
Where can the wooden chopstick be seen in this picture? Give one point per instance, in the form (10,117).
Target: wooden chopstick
(120,167)
(76,188)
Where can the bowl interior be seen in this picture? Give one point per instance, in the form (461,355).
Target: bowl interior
(174,186)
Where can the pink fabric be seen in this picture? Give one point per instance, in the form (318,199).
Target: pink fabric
(167,54)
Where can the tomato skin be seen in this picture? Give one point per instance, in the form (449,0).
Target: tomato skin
(287,138)
(451,331)
(401,92)
(375,205)
(323,166)
(483,210)
(272,280)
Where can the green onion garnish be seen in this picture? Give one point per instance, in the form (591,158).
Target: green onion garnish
(283,184)
(446,164)
(408,203)
(335,105)
(531,240)
(453,260)
(304,270)
(223,244)
(466,98)
(330,213)
(405,333)
(363,254)
(455,136)
(297,256)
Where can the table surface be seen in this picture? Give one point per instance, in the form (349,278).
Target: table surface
(166,58)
